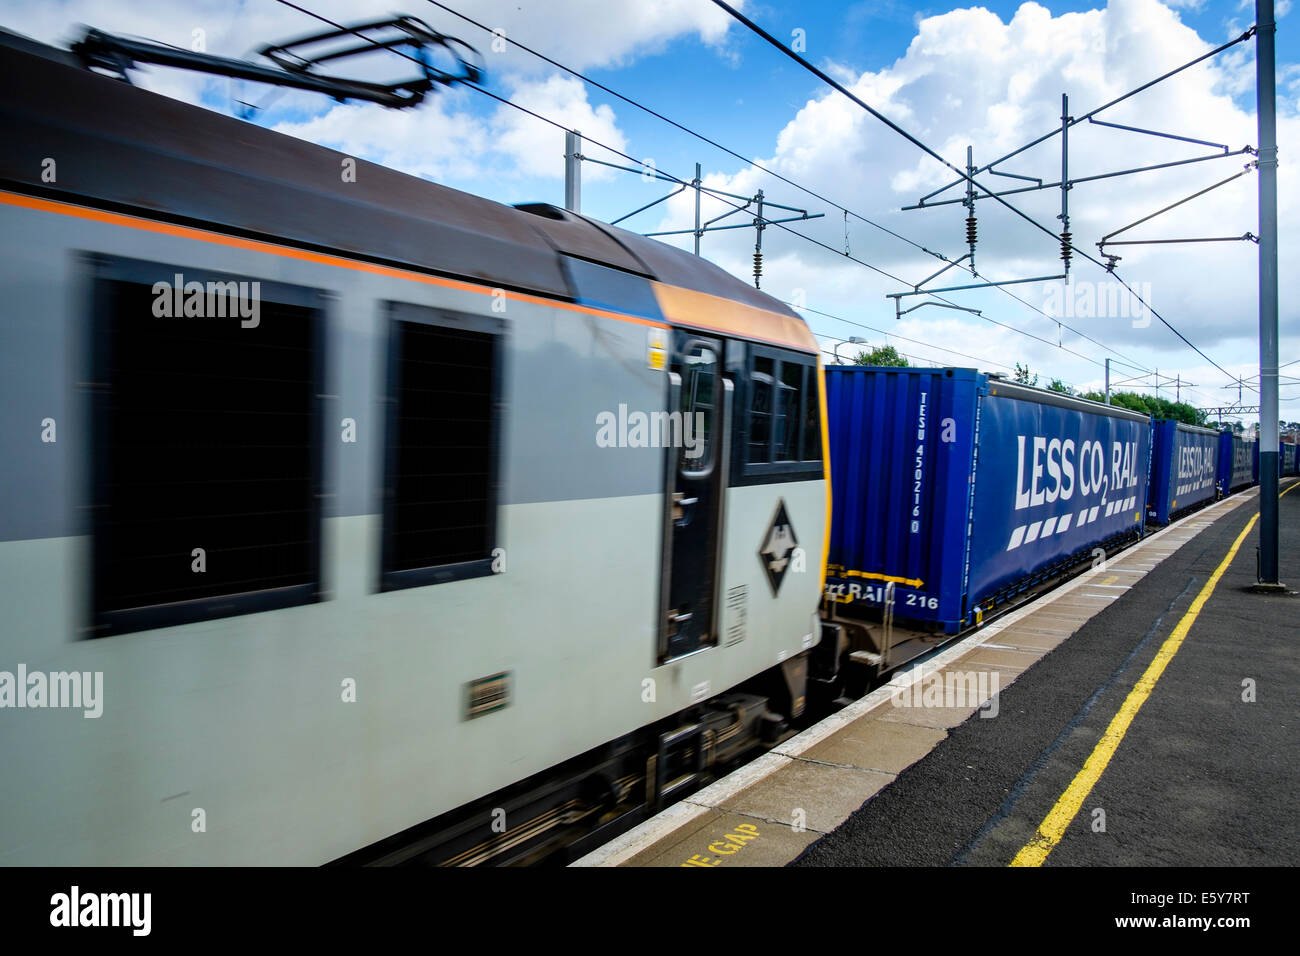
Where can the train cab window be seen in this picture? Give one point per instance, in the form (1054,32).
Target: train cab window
(783,424)
(440,487)
(699,407)
(789,412)
(205,467)
(761,383)
(812,417)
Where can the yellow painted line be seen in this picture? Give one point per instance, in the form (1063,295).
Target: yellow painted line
(1058,819)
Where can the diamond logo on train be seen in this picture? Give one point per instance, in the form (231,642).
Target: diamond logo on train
(1061,483)
(779,542)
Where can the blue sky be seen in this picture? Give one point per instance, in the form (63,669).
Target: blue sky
(990,75)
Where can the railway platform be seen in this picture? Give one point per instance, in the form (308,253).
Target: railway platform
(1141,714)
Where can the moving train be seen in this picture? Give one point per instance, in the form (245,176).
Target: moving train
(958,494)
(338,504)
(351,518)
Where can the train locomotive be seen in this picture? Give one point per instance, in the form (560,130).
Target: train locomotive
(383,523)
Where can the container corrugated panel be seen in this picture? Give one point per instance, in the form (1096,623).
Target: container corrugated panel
(1243,462)
(1236,463)
(1184,468)
(961,491)
(901,444)
(1056,477)
(1224,479)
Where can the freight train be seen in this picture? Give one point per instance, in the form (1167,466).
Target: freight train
(958,494)
(360,519)
(1236,463)
(1186,469)
(1288,459)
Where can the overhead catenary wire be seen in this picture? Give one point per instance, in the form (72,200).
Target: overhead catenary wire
(888,334)
(964,176)
(811,192)
(505,101)
(577,74)
(617,152)
(818,242)
(916,358)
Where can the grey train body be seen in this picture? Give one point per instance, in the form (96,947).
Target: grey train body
(301,733)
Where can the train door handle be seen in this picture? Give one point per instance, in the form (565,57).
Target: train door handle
(680,504)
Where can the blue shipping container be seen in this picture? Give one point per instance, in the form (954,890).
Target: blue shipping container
(962,490)
(1184,468)
(1236,463)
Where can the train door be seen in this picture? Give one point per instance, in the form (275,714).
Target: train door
(696,461)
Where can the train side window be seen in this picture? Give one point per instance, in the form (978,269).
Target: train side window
(699,403)
(761,381)
(789,412)
(441,446)
(206,472)
(812,416)
(783,430)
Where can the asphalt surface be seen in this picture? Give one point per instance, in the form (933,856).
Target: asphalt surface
(1202,777)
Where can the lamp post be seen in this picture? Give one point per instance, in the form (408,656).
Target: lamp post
(853,340)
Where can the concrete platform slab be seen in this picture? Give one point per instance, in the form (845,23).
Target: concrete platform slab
(1000,657)
(727,838)
(820,796)
(1025,637)
(873,744)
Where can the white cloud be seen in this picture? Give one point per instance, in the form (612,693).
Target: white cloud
(433,142)
(450,136)
(441,141)
(969,77)
(537,147)
(580,33)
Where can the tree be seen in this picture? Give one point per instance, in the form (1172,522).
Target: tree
(1156,407)
(1024,376)
(1056,385)
(885,355)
